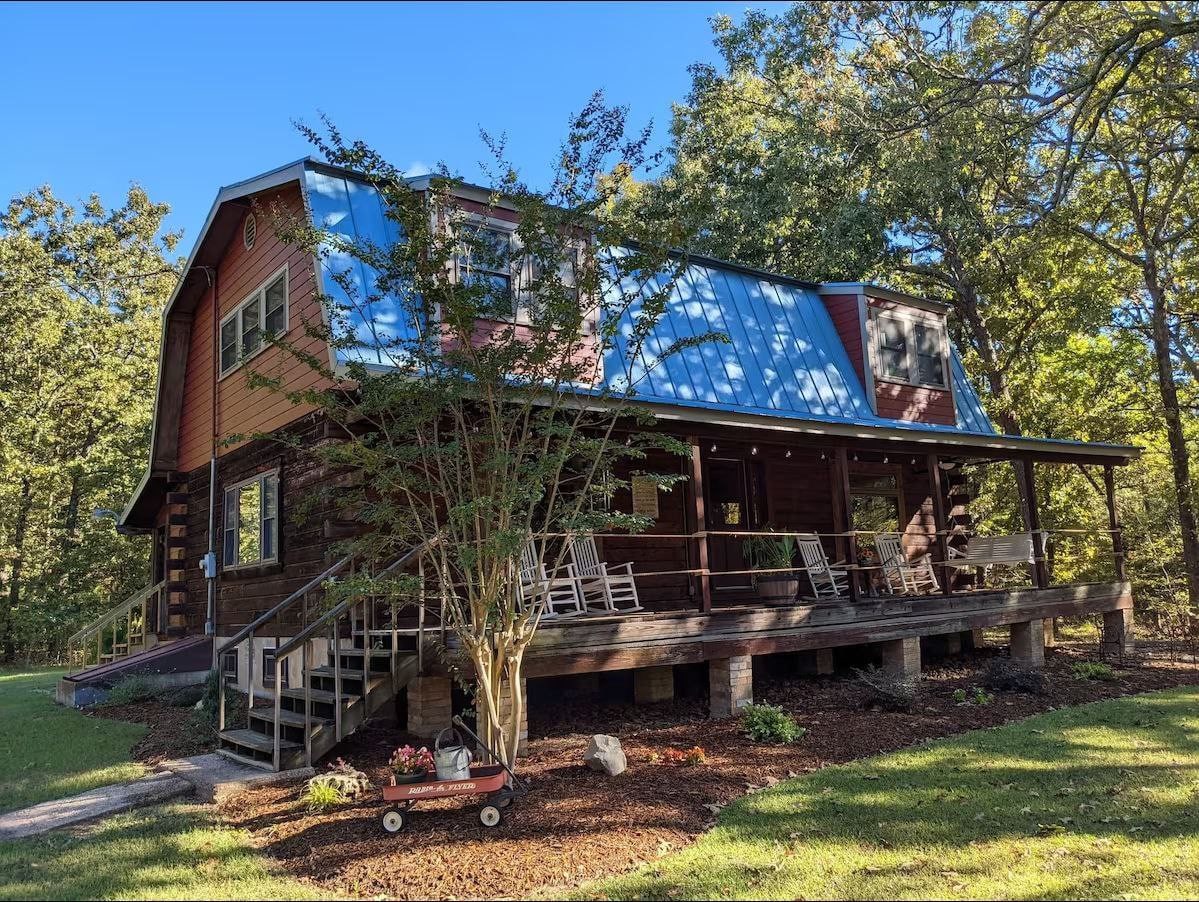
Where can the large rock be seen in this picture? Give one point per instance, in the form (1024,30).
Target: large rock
(605,754)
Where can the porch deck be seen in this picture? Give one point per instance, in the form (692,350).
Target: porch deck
(681,637)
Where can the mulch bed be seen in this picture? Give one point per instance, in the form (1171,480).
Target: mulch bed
(175,732)
(577,825)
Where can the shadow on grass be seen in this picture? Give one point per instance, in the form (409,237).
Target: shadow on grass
(1093,801)
(158,853)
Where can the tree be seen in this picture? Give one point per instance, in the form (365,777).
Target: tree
(501,419)
(81,294)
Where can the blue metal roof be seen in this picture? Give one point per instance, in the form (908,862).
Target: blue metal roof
(784,357)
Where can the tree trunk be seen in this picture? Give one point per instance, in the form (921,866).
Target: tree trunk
(8,639)
(1180,462)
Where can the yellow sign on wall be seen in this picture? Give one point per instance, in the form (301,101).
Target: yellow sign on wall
(645,497)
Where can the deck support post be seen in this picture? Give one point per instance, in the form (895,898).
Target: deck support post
(824,662)
(843,512)
(430,706)
(936,488)
(1050,632)
(1028,643)
(901,657)
(699,524)
(1113,522)
(730,685)
(979,638)
(1117,633)
(652,685)
(1028,486)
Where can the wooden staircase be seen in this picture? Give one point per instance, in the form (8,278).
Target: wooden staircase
(123,631)
(353,659)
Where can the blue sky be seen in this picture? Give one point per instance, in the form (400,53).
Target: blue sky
(185,98)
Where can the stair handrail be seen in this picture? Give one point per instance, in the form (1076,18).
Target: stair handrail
(301,640)
(281,607)
(112,615)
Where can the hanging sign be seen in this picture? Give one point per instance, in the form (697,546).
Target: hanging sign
(645,497)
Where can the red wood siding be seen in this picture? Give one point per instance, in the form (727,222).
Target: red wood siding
(915,403)
(847,320)
(240,409)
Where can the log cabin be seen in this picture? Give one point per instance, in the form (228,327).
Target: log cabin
(838,415)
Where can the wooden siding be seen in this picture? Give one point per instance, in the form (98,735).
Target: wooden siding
(847,320)
(915,403)
(241,409)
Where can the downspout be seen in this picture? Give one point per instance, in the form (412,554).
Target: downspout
(209,566)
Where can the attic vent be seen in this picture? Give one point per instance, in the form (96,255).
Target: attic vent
(249,231)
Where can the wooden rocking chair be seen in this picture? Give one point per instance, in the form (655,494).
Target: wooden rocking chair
(904,577)
(612,587)
(560,595)
(826,579)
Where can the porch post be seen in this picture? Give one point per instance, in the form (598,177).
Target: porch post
(845,509)
(700,524)
(1113,521)
(937,487)
(1033,523)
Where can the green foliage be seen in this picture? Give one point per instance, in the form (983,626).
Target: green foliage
(768,552)
(979,697)
(1095,802)
(887,690)
(81,296)
(1093,670)
(319,794)
(770,723)
(131,690)
(492,446)
(340,784)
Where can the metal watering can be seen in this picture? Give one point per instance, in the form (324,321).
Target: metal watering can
(452,761)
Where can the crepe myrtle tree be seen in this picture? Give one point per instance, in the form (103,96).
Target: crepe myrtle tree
(488,378)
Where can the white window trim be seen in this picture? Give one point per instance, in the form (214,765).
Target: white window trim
(909,319)
(236,487)
(520,271)
(258,295)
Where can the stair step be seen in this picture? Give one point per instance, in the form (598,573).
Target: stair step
(319,695)
(260,742)
(327,670)
(290,718)
(360,652)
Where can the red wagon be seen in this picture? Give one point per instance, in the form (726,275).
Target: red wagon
(495,782)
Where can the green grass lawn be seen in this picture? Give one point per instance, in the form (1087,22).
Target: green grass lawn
(49,752)
(1100,801)
(171,852)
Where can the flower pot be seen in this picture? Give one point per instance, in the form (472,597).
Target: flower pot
(414,777)
(777,589)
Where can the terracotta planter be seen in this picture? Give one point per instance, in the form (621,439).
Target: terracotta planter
(777,589)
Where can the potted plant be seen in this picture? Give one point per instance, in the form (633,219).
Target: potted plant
(770,552)
(411,765)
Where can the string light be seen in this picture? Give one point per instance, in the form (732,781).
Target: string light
(713,447)
(886,459)
(788,454)
(753,450)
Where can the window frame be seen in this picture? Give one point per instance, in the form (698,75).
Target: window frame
(908,321)
(260,479)
(257,298)
(499,226)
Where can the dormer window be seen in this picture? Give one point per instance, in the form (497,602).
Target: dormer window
(911,347)
(485,259)
(248,329)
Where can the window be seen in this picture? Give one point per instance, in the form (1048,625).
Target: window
(251,529)
(268,669)
(911,349)
(261,316)
(229,666)
(874,498)
(485,259)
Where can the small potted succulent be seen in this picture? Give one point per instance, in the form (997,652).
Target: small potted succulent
(411,765)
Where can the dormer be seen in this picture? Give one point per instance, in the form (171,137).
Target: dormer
(899,346)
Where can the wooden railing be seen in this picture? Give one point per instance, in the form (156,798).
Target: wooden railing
(360,613)
(122,631)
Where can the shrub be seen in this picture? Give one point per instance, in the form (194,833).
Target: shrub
(131,690)
(979,697)
(340,784)
(184,696)
(1093,670)
(1006,675)
(320,795)
(770,723)
(888,691)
